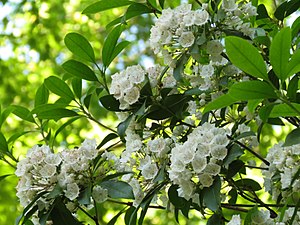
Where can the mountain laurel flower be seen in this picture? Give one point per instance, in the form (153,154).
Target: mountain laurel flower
(235,220)
(201,17)
(100,194)
(72,191)
(186,39)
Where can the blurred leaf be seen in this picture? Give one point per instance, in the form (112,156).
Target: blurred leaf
(65,124)
(280,52)
(118,48)
(233,194)
(262,12)
(115,175)
(234,168)
(85,196)
(59,87)
(118,189)
(178,70)
(292,138)
(41,96)
(3,143)
(115,218)
(4,176)
(246,57)
(233,153)
(22,113)
(105,5)
(16,135)
(79,70)
(248,184)
(107,138)
(295,27)
(211,195)
(110,103)
(286,9)
(130,216)
(161,3)
(5,113)
(220,102)
(175,199)
(248,90)
(80,46)
(293,65)
(293,88)
(122,127)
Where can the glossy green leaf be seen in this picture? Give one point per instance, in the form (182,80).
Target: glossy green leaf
(220,102)
(233,153)
(130,216)
(119,48)
(80,46)
(59,87)
(110,45)
(296,27)
(56,114)
(3,143)
(107,138)
(251,90)
(122,127)
(293,66)
(280,52)
(234,167)
(135,9)
(211,195)
(65,124)
(118,189)
(77,87)
(105,5)
(79,70)
(248,184)
(215,219)
(110,103)
(246,57)
(84,197)
(41,96)
(22,113)
(286,9)
(175,199)
(293,88)
(60,215)
(292,138)
(284,110)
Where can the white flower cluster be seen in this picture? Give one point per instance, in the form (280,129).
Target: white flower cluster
(126,85)
(281,176)
(198,159)
(176,26)
(42,170)
(235,17)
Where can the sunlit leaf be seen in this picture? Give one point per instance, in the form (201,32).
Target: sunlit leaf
(118,189)
(56,114)
(41,96)
(246,57)
(220,102)
(80,46)
(292,138)
(280,52)
(22,113)
(105,5)
(293,66)
(285,110)
(3,143)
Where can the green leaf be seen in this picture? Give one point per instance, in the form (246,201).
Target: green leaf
(286,9)
(293,88)
(284,110)
(41,96)
(108,138)
(161,3)
(248,184)
(293,65)
(59,87)
(292,138)
(178,70)
(215,219)
(233,194)
(122,127)
(85,196)
(118,189)
(22,113)
(115,218)
(3,143)
(280,52)
(295,27)
(233,153)
(130,216)
(105,5)
(77,87)
(110,44)
(211,195)
(110,103)
(62,127)
(251,90)
(60,215)
(234,168)
(246,57)
(220,102)
(56,114)
(177,201)
(16,135)
(79,70)
(136,9)
(80,46)
(118,48)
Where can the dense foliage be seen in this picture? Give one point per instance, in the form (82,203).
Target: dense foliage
(190,124)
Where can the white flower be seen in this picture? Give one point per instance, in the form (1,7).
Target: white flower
(235,220)
(201,17)
(149,171)
(214,47)
(48,170)
(132,95)
(186,39)
(136,74)
(72,191)
(229,5)
(199,162)
(100,194)
(206,179)
(53,159)
(207,71)
(212,169)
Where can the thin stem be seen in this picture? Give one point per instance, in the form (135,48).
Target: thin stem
(6,161)
(96,219)
(86,213)
(249,150)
